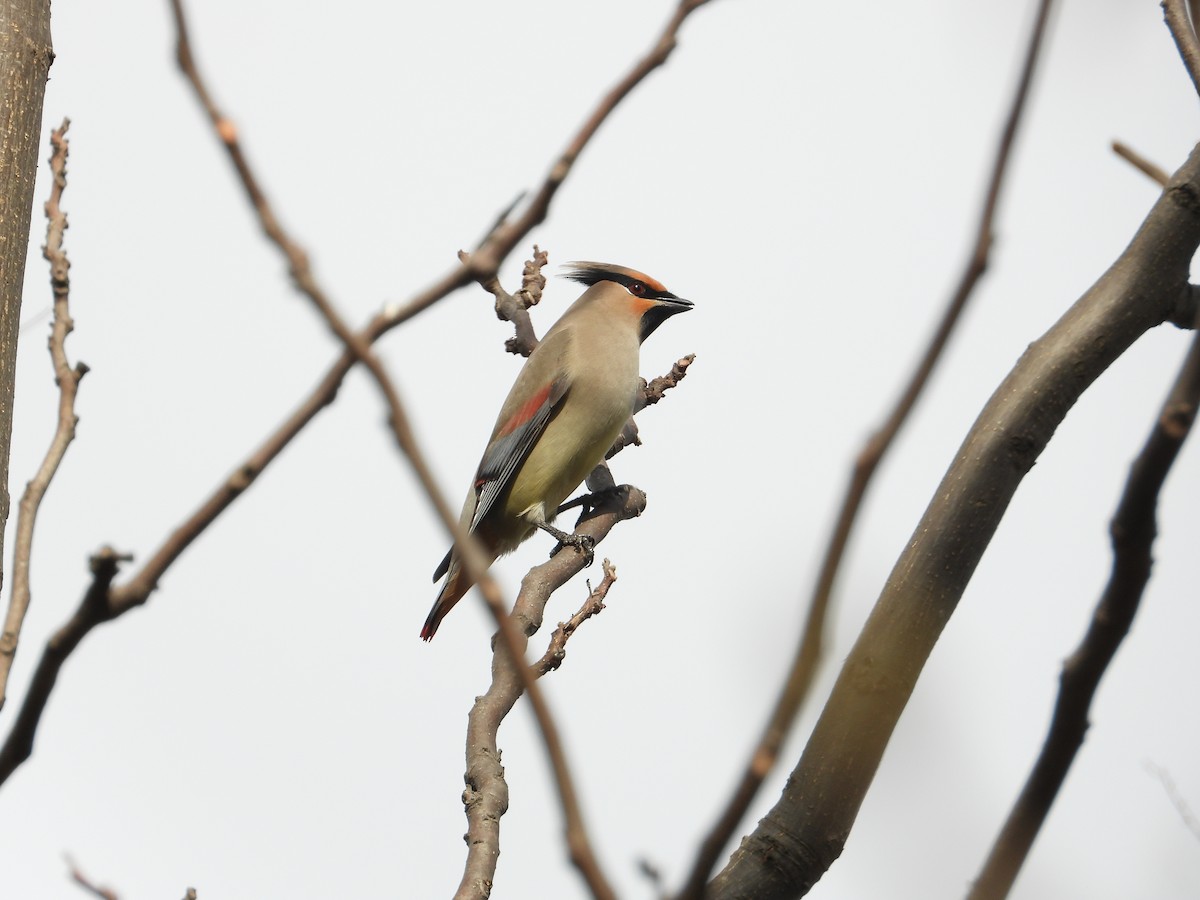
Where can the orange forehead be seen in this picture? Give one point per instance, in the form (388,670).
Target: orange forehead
(653,283)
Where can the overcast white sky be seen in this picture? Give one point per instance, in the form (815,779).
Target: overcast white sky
(809,174)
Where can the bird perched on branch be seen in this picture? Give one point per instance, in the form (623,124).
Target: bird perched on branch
(568,405)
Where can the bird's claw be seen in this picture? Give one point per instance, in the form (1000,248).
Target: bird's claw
(584,543)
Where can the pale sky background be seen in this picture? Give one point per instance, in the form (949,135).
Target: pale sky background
(809,174)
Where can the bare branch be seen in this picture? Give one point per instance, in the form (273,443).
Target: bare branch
(68,380)
(799,839)
(358,346)
(513,644)
(1133,532)
(500,242)
(1140,162)
(809,649)
(301,272)
(25,48)
(472,555)
(93,609)
(1184,36)
(515,307)
(648,395)
(484,261)
(556,652)
(656,389)
(483,264)
(486,794)
(1177,800)
(77,875)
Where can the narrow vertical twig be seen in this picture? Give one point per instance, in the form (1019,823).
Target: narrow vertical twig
(809,649)
(1133,532)
(27,54)
(67,379)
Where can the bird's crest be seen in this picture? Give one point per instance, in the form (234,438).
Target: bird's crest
(593,272)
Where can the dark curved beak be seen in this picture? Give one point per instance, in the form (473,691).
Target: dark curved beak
(665,306)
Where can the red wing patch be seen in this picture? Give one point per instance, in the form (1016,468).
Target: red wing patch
(512,445)
(526,412)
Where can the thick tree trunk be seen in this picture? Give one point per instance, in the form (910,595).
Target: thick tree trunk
(25,58)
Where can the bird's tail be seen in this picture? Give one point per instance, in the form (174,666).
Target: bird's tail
(455,587)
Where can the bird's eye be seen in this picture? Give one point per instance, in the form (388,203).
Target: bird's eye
(637,288)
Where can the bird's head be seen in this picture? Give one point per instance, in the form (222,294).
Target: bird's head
(648,298)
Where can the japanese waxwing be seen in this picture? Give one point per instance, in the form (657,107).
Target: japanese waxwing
(569,403)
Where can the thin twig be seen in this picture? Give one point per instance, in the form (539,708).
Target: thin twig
(485,260)
(514,308)
(1140,162)
(299,267)
(556,652)
(1133,532)
(1184,35)
(656,389)
(647,395)
(67,379)
(93,609)
(77,876)
(1186,815)
(809,649)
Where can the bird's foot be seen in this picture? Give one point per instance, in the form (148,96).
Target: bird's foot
(588,503)
(584,543)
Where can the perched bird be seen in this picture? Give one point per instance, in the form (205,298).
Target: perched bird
(568,405)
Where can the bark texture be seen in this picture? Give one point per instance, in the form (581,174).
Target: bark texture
(25,58)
